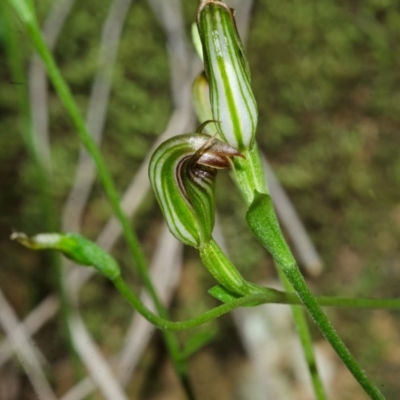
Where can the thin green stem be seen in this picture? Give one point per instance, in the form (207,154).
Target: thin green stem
(67,99)
(296,279)
(224,271)
(41,174)
(269,296)
(262,221)
(65,95)
(249,174)
(306,342)
(165,324)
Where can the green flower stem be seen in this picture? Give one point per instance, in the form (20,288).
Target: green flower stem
(220,267)
(249,174)
(297,281)
(224,272)
(269,296)
(165,324)
(28,18)
(262,221)
(306,342)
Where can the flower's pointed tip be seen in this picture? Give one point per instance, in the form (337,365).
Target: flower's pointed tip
(16,235)
(40,241)
(229,150)
(216,153)
(241,155)
(73,246)
(21,238)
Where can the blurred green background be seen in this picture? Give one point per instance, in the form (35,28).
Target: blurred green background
(326,76)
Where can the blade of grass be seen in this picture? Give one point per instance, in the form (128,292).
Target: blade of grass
(42,172)
(51,29)
(27,16)
(181,120)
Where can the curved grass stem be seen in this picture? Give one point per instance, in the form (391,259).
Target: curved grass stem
(26,14)
(42,175)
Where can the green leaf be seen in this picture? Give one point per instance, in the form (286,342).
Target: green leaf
(264,224)
(75,247)
(224,295)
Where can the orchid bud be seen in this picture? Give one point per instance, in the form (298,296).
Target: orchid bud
(75,247)
(182,173)
(227,70)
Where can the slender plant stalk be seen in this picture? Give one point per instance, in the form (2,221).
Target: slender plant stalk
(306,342)
(165,324)
(25,12)
(41,174)
(263,222)
(268,297)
